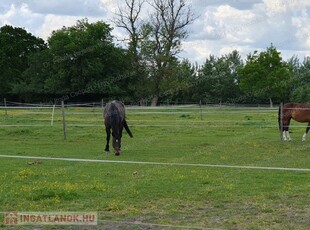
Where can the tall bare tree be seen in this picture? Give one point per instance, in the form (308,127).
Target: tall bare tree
(169,22)
(128,18)
(167,28)
(155,42)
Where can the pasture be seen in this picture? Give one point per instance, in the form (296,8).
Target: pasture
(193,181)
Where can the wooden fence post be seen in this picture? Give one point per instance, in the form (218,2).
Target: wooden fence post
(64,119)
(5,107)
(53,112)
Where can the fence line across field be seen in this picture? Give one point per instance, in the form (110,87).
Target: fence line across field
(189,105)
(150,125)
(99,119)
(209,110)
(197,105)
(89,104)
(55,108)
(28,104)
(205,110)
(70,109)
(149,122)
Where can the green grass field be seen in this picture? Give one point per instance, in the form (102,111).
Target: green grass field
(142,196)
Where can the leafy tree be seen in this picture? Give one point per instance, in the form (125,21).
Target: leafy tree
(183,81)
(301,80)
(218,80)
(16,46)
(266,75)
(86,60)
(32,87)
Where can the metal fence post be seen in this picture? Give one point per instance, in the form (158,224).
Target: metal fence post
(64,119)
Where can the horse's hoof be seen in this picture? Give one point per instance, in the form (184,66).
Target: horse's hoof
(117,154)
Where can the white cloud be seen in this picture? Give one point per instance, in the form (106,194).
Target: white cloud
(4,18)
(282,6)
(230,26)
(41,24)
(227,14)
(109,5)
(196,51)
(81,8)
(55,22)
(21,16)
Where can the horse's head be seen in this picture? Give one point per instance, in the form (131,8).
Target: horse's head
(117,145)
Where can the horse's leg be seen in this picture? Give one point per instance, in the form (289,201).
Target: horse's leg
(284,136)
(108,131)
(286,123)
(305,134)
(284,131)
(120,137)
(288,136)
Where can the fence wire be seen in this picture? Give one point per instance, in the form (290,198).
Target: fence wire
(90,115)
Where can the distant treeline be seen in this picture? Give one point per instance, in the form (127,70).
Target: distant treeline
(83,63)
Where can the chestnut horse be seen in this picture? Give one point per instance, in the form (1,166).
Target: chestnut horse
(114,118)
(297,112)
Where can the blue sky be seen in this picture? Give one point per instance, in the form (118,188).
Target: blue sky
(222,26)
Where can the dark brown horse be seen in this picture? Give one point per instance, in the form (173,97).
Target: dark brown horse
(114,118)
(297,112)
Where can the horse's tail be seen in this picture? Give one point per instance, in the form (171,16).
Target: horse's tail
(127,128)
(114,118)
(279,117)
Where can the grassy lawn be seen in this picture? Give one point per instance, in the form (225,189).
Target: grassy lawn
(159,195)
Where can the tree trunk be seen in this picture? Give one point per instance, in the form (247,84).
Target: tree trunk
(154,101)
(271,103)
(142,102)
